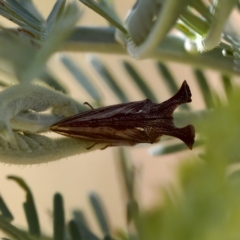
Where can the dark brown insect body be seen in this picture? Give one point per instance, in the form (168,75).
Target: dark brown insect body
(129,123)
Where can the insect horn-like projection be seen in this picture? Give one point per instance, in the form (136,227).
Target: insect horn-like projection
(131,123)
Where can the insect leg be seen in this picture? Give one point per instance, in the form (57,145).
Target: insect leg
(106,147)
(88,148)
(86,103)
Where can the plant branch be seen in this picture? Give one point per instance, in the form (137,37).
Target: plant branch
(171,49)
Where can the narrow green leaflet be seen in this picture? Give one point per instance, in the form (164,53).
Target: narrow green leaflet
(168,78)
(29,55)
(48,78)
(29,207)
(227,83)
(55,13)
(139,81)
(80,219)
(5,212)
(83,226)
(58,218)
(204,86)
(17,13)
(13,231)
(29,6)
(173,148)
(108,238)
(128,175)
(105,9)
(194,22)
(74,231)
(183,118)
(201,8)
(100,213)
(108,78)
(81,78)
(63,27)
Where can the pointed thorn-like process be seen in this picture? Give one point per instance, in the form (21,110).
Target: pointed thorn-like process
(187,135)
(184,94)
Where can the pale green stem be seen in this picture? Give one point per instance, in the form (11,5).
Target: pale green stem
(222,10)
(160,28)
(36,149)
(171,49)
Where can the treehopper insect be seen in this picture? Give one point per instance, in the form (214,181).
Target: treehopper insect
(128,124)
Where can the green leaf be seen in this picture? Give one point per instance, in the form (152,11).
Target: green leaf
(81,78)
(194,22)
(83,226)
(227,83)
(80,219)
(73,230)
(128,174)
(234,177)
(108,78)
(106,11)
(29,20)
(100,213)
(167,77)
(4,210)
(173,148)
(29,207)
(183,118)
(13,231)
(51,81)
(122,235)
(55,13)
(132,211)
(23,52)
(30,7)
(201,8)
(58,217)
(139,81)
(222,131)
(204,86)
(108,238)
